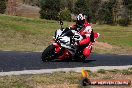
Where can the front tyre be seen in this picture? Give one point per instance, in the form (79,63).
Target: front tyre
(48,54)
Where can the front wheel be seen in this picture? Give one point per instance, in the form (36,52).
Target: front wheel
(48,54)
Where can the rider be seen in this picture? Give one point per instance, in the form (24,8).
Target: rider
(83,35)
(84,29)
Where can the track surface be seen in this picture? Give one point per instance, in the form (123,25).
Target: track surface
(18,61)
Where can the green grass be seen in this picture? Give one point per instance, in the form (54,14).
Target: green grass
(17,33)
(102,71)
(126,72)
(115,35)
(130,69)
(24,34)
(115,71)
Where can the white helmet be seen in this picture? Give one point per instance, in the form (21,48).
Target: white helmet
(80,17)
(80,21)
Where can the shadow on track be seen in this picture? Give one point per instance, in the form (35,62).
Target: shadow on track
(75,60)
(17,61)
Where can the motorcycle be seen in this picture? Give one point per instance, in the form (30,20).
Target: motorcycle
(65,46)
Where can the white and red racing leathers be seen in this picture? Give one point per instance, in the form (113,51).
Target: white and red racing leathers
(86,31)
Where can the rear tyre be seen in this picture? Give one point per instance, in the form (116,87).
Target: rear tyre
(48,54)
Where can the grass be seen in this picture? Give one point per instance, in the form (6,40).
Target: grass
(126,72)
(14,82)
(115,35)
(130,69)
(50,80)
(29,81)
(24,34)
(57,78)
(115,71)
(102,71)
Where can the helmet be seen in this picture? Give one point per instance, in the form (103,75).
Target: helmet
(80,21)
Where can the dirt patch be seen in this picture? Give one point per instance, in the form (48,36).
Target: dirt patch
(105,48)
(28,11)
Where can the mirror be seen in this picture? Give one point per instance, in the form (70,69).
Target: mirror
(61,22)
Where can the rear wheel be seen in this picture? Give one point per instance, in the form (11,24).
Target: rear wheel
(48,54)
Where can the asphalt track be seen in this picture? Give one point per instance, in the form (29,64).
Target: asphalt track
(18,61)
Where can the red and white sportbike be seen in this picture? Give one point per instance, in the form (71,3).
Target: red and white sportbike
(65,46)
